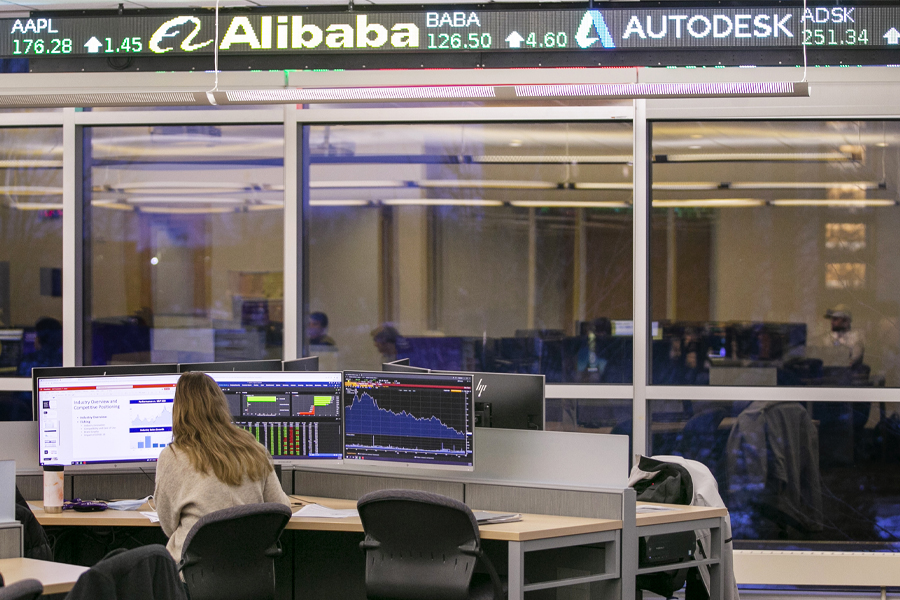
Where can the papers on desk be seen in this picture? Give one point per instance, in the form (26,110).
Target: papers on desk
(486,518)
(653,508)
(317,511)
(154,518)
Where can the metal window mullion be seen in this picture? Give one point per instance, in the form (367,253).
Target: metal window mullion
(641,276)
(292,242)
(72,242)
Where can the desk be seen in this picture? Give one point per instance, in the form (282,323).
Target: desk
(685,518)
(533,534)
(57,578)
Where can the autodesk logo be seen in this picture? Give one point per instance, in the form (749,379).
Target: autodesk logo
(583,37)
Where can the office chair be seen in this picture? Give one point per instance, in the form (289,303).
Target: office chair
(144,573)
(27,589)
(421,545)
(230,554)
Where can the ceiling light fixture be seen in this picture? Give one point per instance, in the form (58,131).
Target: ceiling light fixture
(711,203)
(569,204)
(440,202)
(846,203)
(443,93)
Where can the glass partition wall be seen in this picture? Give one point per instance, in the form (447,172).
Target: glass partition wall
(490,247)
(184,242)
(506,246)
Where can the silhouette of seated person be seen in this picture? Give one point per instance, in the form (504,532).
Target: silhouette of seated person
(591,363)
(47,347)
(317,329)
(389,343)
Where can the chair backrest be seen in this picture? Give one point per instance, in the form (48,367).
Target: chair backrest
(229,554)
(27,589)
(144,573)
(418,545)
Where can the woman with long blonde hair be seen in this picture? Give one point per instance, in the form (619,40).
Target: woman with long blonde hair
(211,464)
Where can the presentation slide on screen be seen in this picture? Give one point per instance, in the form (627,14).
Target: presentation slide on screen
(105,419)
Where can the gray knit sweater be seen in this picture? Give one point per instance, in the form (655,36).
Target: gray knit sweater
(183,495)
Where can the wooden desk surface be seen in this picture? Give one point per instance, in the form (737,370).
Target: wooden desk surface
(57,578)
(531,527)
(677,514)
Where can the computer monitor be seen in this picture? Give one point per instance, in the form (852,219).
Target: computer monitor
(98,370)
(411,419)
(234,365)
(296,415)
(94,420)
(402,366)
(309,363)
(509,400)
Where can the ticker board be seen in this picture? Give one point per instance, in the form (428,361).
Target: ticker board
(450,31)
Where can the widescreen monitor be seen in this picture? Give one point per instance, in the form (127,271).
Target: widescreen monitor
(295,414)
(509,400)
(92,420)
(411,419)
(128,418)
(308,363)
(137,369)
(234,365)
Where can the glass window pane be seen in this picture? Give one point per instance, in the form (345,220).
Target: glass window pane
(185,230)
(487,247)
(30,250)
(791,473)
(771,252)
(589,415)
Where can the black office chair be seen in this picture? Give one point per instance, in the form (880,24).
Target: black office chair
(144,573)
(27,589)
(230,554)
(421,545)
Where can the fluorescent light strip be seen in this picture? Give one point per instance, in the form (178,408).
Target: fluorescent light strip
(338,202)
(626,187)
(847,203)
(334,185)
(805,185)
(30,190)
(183,200)
(489,184)
(171,210)
(440,202)
(177,187)
(104,99)
(558,159)
(31,164)
(358,94)
(757,156)
(572,204)
(36,206)
(711,203)
(112,204)
(665,90)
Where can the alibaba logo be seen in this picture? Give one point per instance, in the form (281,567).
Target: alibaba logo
(164,31)
(593,19)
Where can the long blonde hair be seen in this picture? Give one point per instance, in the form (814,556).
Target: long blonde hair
(202,429)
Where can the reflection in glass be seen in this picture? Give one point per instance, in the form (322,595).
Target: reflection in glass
(793,472)
(185,230)
(761,232)
(487,247)
(30,253)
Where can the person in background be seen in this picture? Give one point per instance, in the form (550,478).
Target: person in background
(317,329)
(210,465)
(387,340)
(842,335)
(47,347)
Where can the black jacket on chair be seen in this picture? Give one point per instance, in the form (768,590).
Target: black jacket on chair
(145,573)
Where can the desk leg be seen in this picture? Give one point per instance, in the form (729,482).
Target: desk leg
(516,573)
(716,572)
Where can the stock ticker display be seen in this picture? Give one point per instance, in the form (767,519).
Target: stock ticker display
(423,31)
(419,419)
